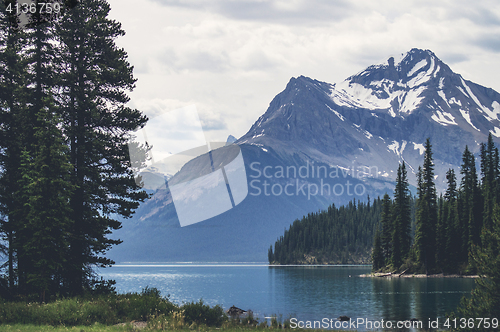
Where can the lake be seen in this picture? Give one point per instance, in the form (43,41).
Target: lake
(304,292)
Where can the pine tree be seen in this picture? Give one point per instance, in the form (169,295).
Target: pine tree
(441,233)
(452,247)
(16,128)
(469,201)
(425,238)
(45,190)
(401,240)
(270,255)
(378,260)
(13,100)
(95,76)
(489,180)
(387,227)
(485,299)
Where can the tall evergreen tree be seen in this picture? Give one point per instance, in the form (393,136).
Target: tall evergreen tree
(452,246)
(45,190)
(13,100)
(425,238)
(469,200)
(387,228)
(378,260)
(485,299)
(441,233)
(94,81)
(401,240)
(39,58)
(270,255)
(489,180)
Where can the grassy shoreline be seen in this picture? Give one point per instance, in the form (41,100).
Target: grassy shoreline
(124,312)
(125,328)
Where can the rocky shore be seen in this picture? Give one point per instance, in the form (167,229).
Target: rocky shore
(403,275)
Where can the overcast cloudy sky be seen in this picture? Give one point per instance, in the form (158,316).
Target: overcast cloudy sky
(231,57)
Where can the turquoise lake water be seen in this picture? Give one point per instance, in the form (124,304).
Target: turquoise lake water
(303,292)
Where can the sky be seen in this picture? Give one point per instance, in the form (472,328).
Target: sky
(229,58)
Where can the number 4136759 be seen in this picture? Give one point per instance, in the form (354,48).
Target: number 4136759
(471,323)
(33,8)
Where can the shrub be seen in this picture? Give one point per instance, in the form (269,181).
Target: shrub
(202,314)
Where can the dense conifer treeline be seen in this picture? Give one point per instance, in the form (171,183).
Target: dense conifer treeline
(448,227)
(64,127)
(336,236)
(423,234)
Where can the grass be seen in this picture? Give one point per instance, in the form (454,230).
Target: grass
(115,312)
(125,312)
(104,328)
(48,328)
(105,310)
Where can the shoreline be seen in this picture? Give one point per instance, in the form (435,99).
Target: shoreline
(402,275)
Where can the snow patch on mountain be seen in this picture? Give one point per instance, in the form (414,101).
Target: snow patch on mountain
(441,83)
(443,118)
(488,113)
(336,113)
(396,148)
(466,116)
(356,95)
(422,77)
(454,101)
(443,96)
(419,65)
(495,132)
(419,147)
(411,99)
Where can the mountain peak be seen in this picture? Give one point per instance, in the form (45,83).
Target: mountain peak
(413,68)
(398,85)
(231,139)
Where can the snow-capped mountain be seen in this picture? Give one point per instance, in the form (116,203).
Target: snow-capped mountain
(382,116)
(372,121)
(420,82)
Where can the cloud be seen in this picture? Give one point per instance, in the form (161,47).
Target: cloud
(215,46)
(294,12)
(231,57)
(490,42)
(154,108)
(451,58)
(481,13)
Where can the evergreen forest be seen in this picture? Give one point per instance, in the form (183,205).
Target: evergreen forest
(450,228)
(338,235)
(65,172)
(456,232)
(426,233)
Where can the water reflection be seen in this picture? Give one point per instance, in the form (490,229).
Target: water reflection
(420,298)
(316,292)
